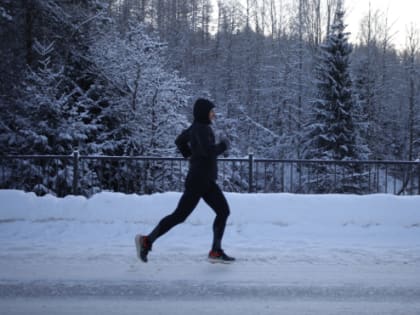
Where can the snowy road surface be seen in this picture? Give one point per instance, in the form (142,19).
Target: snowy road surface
(296,255)
(119,284)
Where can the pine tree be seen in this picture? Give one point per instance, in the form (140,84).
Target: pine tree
(331,133)
(41,127)
(45,103)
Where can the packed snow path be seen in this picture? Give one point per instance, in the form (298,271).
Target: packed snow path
(296,255)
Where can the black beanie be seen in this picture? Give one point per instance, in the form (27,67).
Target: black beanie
(202,108)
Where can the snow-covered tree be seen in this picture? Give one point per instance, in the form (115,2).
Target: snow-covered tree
(39,126)
(43,101)
(413,91)
(108,84)
(149,102)
(331,132)
(146,103)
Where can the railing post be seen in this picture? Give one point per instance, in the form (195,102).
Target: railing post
(251,171)
(75,172)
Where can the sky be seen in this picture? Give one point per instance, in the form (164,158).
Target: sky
(400,14)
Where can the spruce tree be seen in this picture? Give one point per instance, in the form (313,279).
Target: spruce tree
(331,133)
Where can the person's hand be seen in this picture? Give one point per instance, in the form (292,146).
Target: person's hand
(226,142)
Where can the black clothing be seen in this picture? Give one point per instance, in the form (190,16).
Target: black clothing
(182,143)
(202,107)
(198,143)
(189,200)
(203,160)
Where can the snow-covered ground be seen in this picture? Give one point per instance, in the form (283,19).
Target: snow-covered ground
(296,254)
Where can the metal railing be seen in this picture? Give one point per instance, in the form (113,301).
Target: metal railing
(77,174)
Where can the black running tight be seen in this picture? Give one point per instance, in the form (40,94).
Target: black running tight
(213,196)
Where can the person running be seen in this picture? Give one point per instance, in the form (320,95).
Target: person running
(198,144)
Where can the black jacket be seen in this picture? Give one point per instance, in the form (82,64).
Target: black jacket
(198,143)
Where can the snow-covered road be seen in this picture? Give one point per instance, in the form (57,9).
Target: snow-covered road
(48,280)
(296,255)
(194,287)
(355,290)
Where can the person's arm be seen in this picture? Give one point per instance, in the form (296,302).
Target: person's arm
(182,143)
(205,147)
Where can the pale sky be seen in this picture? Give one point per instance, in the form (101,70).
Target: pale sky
(400,14)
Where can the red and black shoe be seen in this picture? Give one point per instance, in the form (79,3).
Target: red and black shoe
(219,256)
(143,246)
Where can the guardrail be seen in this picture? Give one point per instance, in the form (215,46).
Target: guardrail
(86,175)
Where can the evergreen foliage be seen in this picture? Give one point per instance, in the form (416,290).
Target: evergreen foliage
(331,131)
(119,77)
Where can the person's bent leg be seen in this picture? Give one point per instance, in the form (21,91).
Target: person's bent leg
(186,205)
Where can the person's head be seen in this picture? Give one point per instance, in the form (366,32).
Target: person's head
(204,111)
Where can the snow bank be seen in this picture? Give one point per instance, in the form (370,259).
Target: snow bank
(283,209)
(264,217)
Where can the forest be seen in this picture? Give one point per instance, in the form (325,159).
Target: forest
(119,77)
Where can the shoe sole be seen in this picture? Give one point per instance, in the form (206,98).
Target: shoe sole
(219,261)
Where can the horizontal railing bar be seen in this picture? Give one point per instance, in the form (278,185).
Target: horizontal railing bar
(139,158)
(257,160)
(40,157)
(337,161)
